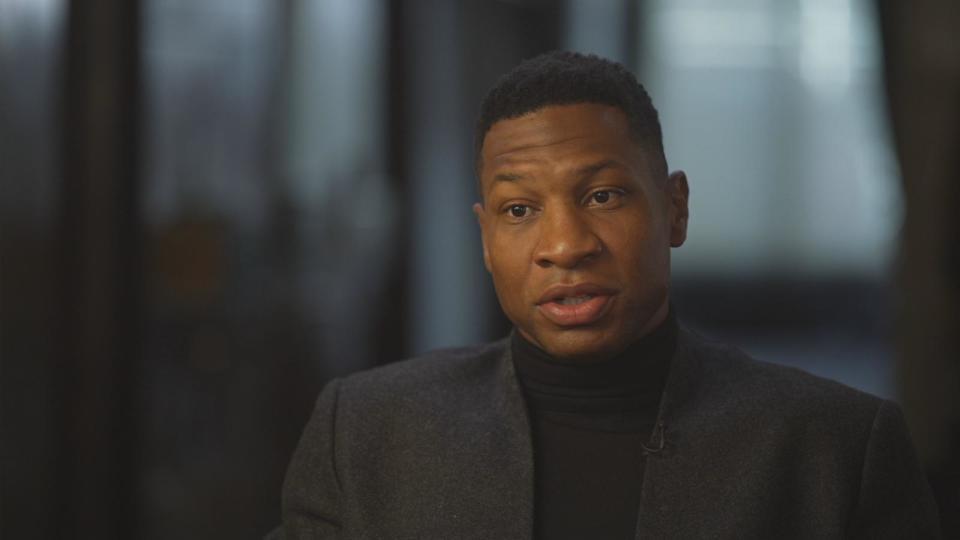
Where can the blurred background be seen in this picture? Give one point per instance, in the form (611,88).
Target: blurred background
(211,208)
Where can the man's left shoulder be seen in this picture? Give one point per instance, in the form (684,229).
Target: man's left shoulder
(756,386)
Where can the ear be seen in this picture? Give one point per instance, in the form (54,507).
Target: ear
(481,217)
(679,193)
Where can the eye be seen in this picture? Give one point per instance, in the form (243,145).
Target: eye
(604,197)
(518,210)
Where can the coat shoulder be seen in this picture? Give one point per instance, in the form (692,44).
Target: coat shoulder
(432,377)
(733,376)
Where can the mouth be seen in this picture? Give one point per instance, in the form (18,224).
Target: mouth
(574,300)
(575,305)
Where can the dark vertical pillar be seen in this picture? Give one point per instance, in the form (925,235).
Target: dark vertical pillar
(100,270)
(392,326)
(922,75)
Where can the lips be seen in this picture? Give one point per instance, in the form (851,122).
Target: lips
(575,305)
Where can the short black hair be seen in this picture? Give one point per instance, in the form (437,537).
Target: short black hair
(566,78)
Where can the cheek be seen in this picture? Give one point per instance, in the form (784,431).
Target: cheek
(649,258)
(510,269)
(639,248)
(506,264)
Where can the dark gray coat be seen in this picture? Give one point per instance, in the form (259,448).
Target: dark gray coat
(439,447)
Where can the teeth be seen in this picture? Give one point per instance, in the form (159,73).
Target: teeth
(573,300)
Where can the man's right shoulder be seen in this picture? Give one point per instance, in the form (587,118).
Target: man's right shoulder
(440,374)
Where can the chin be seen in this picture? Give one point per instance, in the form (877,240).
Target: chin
(581,345)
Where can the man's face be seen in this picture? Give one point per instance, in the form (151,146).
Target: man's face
(577,229)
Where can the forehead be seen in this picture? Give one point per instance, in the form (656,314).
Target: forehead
(555,133)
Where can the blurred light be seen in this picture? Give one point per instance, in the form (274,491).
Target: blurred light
(826,49)
(20,18)
(595,27)
(775,111)
(703,37)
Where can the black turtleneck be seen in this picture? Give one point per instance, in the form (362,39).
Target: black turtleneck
(589,423)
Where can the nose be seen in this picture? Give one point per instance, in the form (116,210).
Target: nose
(566,240)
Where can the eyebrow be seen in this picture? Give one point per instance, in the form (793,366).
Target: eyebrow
(589,170)
(508,177)
(583,172)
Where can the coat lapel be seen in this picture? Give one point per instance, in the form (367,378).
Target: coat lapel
(669,474)
(505,452)
(490,456)
(508,453)
(517,462)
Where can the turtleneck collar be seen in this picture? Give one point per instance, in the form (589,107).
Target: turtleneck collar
(639,366)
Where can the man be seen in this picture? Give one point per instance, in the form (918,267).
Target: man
(599,416)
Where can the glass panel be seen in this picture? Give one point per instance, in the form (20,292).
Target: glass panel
(774,111)
(269,219)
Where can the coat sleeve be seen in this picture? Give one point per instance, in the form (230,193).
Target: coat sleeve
(895,500)
(311,489)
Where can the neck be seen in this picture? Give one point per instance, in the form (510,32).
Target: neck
(630,366)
